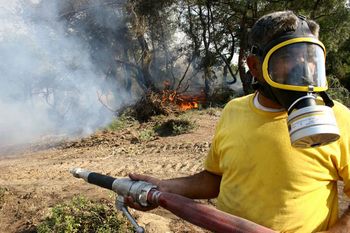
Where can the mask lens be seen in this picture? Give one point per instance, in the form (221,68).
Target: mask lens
(299,64)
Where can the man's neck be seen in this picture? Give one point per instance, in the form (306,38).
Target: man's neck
(267,102)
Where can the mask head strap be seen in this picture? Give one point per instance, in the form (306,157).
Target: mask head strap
(302,30)
(326,99)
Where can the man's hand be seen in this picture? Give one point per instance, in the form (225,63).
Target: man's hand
(145,178)
(203,185)
(129,200)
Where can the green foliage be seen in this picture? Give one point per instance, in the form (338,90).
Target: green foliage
(121,122)
(338,63)
(338,92)
(174,127)
(145,44)
(146,135)
(82,215)
(221,96)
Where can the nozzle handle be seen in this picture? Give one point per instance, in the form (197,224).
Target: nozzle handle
(94,178)
(101,180)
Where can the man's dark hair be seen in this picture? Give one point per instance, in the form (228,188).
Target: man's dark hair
(272,26)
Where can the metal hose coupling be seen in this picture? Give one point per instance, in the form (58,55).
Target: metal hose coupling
(138,190)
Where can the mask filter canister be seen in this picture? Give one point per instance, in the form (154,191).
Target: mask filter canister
(311,125)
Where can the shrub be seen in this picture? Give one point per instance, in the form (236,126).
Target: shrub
(174,127)
(146,135)
(82,215)
(338,92)
(149,105)
(121,122)
(221,96)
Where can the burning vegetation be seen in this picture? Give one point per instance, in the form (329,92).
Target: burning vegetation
(168,102)
(165,103)
(183,101)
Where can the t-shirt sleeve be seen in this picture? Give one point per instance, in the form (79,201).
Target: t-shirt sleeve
(344,163)
(212,162)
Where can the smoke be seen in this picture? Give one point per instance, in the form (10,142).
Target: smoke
(48,84)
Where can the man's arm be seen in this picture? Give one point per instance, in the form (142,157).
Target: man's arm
(203,185)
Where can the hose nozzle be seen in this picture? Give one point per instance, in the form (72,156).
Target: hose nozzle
(80,173)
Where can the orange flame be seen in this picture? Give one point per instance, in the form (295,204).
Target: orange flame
(185,102)
(188,105)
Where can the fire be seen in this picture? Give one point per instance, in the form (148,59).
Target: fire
(185,102)
(186,106)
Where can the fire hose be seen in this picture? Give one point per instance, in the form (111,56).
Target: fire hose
(146,194)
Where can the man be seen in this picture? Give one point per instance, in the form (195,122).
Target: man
(277,154)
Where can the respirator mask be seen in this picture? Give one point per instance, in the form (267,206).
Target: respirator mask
(293,68)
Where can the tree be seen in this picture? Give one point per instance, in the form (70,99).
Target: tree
(140,46)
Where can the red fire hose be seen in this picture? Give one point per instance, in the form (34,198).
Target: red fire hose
(205,216)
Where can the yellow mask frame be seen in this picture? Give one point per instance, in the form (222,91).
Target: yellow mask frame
(272,83)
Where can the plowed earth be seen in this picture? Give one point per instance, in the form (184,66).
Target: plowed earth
(35,177)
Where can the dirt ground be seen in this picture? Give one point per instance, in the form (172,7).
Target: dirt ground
(35,177)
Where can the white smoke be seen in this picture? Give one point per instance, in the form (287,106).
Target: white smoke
(48,83)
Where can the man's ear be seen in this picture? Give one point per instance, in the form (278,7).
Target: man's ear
(254,65)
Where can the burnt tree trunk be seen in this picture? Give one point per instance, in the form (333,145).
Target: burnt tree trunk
(146,60)
(243,48)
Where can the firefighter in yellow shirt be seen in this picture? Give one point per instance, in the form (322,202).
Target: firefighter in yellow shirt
(277,154)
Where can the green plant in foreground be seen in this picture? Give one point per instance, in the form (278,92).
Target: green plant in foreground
(174,127)
(146,135)
(122,122)
(82,215)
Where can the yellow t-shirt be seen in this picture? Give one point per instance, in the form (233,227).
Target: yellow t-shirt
(266,180)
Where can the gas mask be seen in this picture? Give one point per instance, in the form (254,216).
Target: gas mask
(293,68)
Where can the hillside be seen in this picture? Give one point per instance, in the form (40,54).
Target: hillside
(35,177)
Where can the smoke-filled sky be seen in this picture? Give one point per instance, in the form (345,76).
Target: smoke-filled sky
(48,84)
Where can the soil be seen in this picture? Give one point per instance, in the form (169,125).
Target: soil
(35,177)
